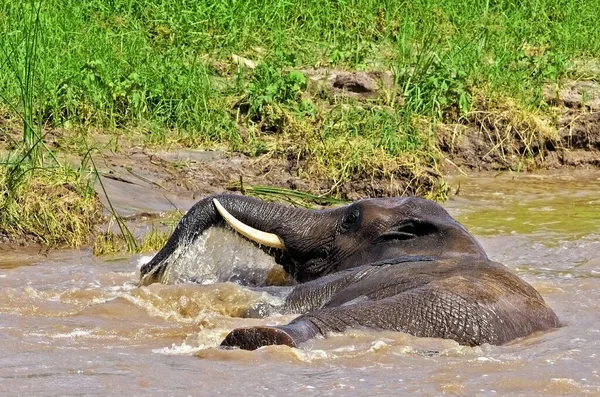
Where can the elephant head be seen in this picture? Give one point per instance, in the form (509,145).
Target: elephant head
(312,243)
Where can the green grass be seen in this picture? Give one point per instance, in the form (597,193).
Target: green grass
(165,66)
(41,199)
(154,63)
(161,72)
(295,197)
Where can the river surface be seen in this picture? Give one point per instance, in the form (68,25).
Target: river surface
(73,324)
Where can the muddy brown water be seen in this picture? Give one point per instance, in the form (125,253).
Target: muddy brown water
(72,324)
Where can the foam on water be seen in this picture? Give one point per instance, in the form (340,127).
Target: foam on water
(183,349)
(142,260)
(76,333)
(179,350)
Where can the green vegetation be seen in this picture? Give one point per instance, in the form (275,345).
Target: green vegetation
(111,243)
(233,73)
(294,197)
(40,197)
(156,64)
(55,206)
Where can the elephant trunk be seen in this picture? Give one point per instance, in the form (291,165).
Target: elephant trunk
(278,222)
(252,338)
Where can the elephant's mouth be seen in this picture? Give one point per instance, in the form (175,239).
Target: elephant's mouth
(311,267)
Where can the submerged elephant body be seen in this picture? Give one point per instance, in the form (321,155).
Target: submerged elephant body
(485,303)
(399,264)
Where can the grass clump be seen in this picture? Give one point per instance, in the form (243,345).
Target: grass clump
(109,242)
(40,198)
(106,243)
(504,121)
(55,207)
(294,197)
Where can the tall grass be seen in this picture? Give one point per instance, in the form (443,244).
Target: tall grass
(156,64)
(40,198)
(21,61)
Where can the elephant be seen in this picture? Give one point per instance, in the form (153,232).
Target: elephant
(401,264)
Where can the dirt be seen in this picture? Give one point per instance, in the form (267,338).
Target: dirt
(139,181)
(357,85)
(498,139)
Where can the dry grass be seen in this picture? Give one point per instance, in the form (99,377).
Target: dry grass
(512,128)
(510,133)
(108,242)
(54,207)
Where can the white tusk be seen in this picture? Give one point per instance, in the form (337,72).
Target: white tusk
(264,238)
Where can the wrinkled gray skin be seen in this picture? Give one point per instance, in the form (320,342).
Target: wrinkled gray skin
(398,264)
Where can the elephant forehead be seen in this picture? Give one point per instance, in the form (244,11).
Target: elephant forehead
(383,211)
(397,209)
(385,202)
(403,205)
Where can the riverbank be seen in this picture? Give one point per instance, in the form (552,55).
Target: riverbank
(369,99)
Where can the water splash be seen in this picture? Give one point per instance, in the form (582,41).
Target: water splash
(220,255)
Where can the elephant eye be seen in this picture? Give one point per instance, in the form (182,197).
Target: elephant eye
(349,221)
(322,253)
(408,230)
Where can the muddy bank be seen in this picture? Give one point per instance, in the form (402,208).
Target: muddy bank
(500,138)
(494,137)
(143,183)
(140,183)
